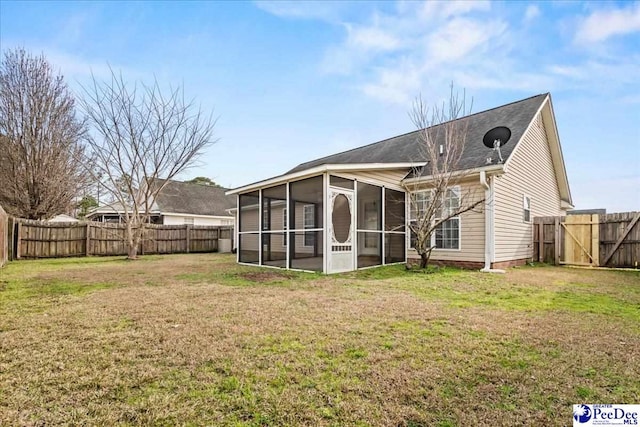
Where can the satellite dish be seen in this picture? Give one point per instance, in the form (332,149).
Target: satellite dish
(497,136)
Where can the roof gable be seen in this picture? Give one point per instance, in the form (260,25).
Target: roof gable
(548,119)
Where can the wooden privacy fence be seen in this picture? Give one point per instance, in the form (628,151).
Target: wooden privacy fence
(4,237)
(36,239)
(609,240)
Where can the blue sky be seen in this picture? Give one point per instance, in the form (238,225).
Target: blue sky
(293,81)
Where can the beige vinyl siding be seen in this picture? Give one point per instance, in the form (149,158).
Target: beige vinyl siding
(197,220)
(249,219)
(390,178)
(530,172)
(277,225)
(471,230)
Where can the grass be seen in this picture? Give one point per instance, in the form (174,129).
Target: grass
(199,340)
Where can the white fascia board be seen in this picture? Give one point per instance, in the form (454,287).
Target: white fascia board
(494,169)
(558,157)
(322,169)
(564,205)
(511,156)
(119,212)
(553,138)
(196,215)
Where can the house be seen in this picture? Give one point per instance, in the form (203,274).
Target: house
(179,203)
(63,218)
(351,210)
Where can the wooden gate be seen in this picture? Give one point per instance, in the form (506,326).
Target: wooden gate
(605,240)
(581,240)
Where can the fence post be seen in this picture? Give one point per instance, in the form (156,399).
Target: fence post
(4,237)
(88,239)
(143,237)
(556,240)
(595,240)
(541,241)
(18,238)
(188,238)
(10,238)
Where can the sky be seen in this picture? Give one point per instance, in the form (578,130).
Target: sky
(293,81)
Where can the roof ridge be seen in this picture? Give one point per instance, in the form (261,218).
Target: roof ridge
(418,130)
(175,181)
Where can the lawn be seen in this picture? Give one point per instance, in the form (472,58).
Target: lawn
(199,340)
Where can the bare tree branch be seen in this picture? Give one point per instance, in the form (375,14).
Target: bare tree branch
(141,138)
(442,137)
(40,139)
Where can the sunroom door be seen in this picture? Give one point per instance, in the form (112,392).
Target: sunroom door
(341,231)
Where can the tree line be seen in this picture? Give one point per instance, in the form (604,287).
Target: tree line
(125,139)
(128,140)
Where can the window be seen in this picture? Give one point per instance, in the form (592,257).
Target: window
(309,221)
(188,221)
(419,204)
(284,226)
(447,234)
(526,208)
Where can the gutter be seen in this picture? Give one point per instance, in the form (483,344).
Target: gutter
(317,170)
(499,168)
(489,231)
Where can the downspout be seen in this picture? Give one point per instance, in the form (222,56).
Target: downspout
(488,224)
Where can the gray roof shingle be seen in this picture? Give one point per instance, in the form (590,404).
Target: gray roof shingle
(406,148)
(195,199)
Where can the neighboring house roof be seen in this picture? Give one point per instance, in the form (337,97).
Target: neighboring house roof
(112,208)
(63,218)
(182,198)
(194,199)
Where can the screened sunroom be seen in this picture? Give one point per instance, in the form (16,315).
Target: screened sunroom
(327,223)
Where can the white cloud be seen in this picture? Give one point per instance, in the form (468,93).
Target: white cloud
(443,10)
(321,10)
(75,67)
(395,85)
(603,24)
(371,38)
(459,37)
(574,72)
(532,12)
(418,46)
(414,47)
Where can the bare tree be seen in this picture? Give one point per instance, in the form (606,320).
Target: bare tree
(139,139)
(439,190)
(40,139)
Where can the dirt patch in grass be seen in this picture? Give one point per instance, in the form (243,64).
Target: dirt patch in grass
(367,348)
(264,276)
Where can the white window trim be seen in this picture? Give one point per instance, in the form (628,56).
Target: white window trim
(433,234)
(525,208)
